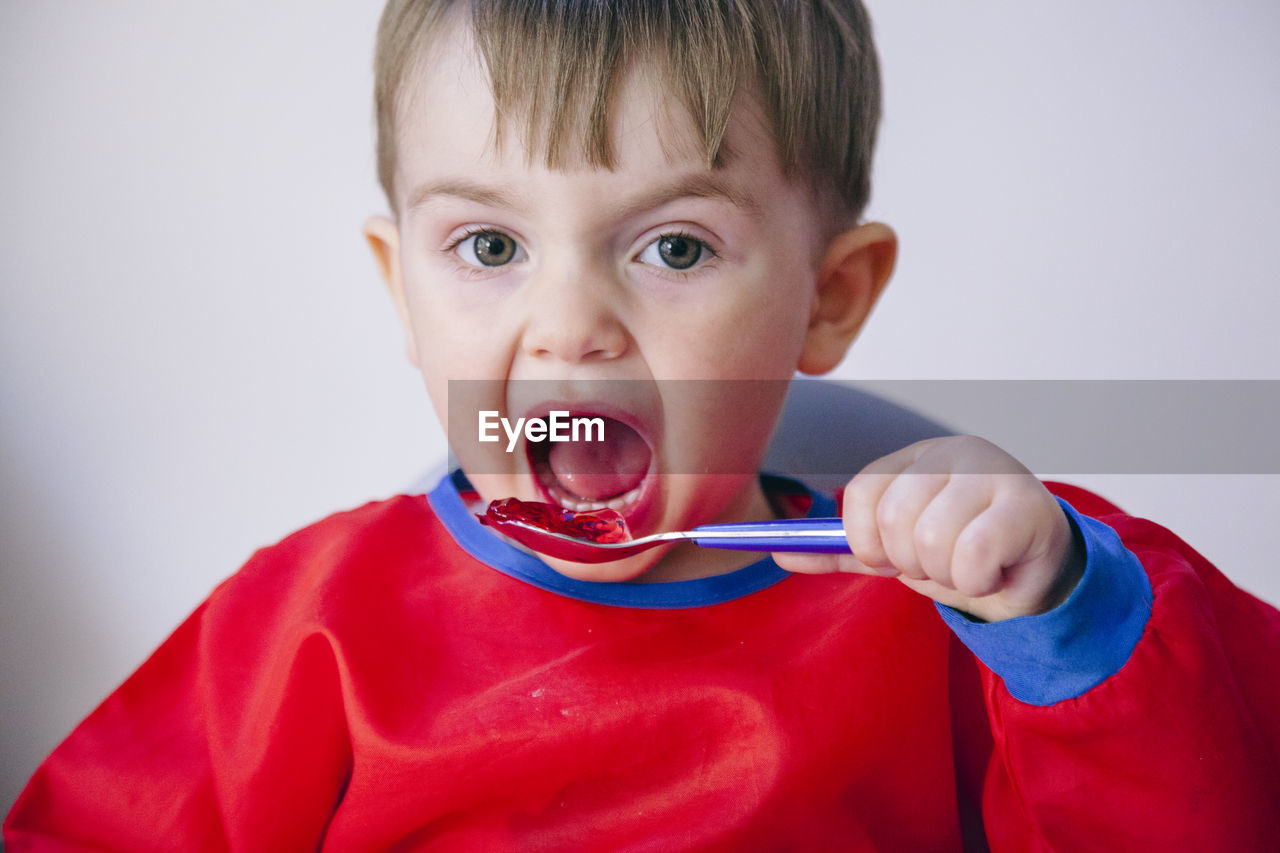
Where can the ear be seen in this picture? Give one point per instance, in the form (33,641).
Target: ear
(384,239)
(854,271)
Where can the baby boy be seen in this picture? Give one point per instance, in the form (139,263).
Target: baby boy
(649,213)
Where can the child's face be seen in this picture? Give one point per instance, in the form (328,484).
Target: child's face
(659,269)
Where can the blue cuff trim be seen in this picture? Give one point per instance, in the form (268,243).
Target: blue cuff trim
(1063,653)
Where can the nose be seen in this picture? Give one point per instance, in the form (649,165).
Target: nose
(574,317)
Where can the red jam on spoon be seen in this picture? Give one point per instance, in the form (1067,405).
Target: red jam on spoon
(530,522)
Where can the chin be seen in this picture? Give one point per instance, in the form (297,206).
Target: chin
(620,571)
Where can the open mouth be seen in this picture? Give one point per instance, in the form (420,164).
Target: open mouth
(597,470)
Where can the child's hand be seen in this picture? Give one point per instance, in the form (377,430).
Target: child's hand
(961,521)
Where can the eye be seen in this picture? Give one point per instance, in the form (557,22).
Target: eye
(489,248)
(675,251)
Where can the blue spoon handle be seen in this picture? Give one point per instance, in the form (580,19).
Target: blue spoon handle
(811,535)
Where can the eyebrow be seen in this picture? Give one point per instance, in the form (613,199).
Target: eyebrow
(460,188)
(697,185)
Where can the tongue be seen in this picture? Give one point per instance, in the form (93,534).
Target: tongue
(599,470)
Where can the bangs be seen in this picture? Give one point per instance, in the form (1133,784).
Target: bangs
(554,69)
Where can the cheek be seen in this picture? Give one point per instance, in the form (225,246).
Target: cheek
(779,320)
(760,339)
(453,339)
(482,447)
(448,348)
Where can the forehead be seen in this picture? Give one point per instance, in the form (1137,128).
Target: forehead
(447,120)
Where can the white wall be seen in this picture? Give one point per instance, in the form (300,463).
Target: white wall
(198,358)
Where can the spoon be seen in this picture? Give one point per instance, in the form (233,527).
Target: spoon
(601,535)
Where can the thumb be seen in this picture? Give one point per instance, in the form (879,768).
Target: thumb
(820,564)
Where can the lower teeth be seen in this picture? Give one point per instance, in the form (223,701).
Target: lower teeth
(577,504)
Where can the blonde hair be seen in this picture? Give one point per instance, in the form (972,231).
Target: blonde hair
(553,66)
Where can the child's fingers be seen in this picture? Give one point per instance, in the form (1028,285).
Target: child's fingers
(980,553)
(860,525)
(1004,551)
(897,516)
(939,527)
(862,498)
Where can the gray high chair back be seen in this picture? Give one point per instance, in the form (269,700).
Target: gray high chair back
(830,430)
